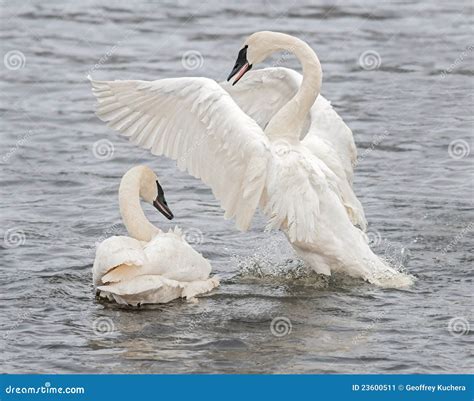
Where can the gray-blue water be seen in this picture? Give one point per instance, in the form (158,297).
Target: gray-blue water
(411,113)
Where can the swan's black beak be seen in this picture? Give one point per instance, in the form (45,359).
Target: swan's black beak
(160,203)
(241,66)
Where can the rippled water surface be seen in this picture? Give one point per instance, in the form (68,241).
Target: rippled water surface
(59,192)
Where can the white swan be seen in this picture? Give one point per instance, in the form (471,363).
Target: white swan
(150,266)
(262,93)
(196,122)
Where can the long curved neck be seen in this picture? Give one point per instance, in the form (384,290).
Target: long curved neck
(289,120)
(138,226)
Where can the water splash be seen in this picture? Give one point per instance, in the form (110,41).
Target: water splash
(275,262)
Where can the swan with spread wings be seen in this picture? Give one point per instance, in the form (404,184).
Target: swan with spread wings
(271,142)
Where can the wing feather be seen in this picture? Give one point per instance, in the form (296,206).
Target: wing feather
(292,195)
(195,122)
(117,251)
(262,93)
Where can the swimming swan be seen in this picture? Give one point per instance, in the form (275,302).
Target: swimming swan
(196,122)
(150,266)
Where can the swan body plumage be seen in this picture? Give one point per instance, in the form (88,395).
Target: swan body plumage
(155,268)
(274,143)
(262,93)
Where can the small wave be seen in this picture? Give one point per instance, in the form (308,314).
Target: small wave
(258,268)
(389,279)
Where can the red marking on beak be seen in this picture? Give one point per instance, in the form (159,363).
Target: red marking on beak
(241,73)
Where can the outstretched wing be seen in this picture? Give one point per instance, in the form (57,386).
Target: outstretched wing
(292,198)
(328,125)
(262,93)
(196,122)
(325,152)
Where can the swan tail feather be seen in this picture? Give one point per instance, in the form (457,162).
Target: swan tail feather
(199,287)
(115,252)
(121,273)
(155,289)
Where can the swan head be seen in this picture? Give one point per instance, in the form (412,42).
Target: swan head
(151,191)
(257,47)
